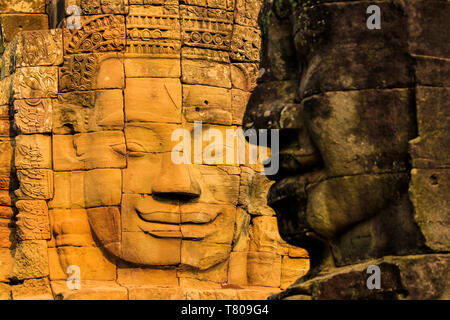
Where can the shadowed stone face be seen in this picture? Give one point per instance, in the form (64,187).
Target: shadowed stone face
(343,97)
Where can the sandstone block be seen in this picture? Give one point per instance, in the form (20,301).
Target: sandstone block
(32,221)
(5,90)
(292,269)
(104,33)
(152,68)
(18,6)
(87,189)
(207,104)
(30,260)
(156,293)
(106,226)
(7,233)
(33,115)
(144,249)
(203,255)
(264,234)
(90,290)
(237,269)
(87,151)
(36,82)
(33,152)
(39,48)
(35,184)
(70,227)
(91,261)
(429,191)
(86,112)
(244,75)
(153,99)
(264,269)
(6,264)
(431,149)
(11,24)
(32,289)
(6,154)
(209,73)
(147,277)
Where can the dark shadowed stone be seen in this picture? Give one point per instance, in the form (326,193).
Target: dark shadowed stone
(432,71)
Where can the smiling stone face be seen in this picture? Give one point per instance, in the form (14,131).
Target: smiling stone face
(343,97)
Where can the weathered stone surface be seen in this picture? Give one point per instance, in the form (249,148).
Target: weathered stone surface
(90,290)
(247,12)
(11,24)
(237,269)
(87,189)
(146,37)
(6,89)
(426,37)
(30,260)
(18,6)
(87,151)
(105,33)
(152,68)
(39,48)
(158,100)
(70,227)
(91,261)
(87,112)
(33,152)
(244,75)
(196,35)
(35,82)
(32,220)
(292,269)
(253,192)
(33,115)
(35,184)
(147,277)
(6,264)
(212,277)
(156,293)
(6,154)
(264,269)
(399,280)
(164,251)
(245,44)
(7,233)
(431,148)
(264,234)
(32,289)
(207,104)
(5,291)
(210,73)
(429,191)
(81,72)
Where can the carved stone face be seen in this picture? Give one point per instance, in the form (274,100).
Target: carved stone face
(340,94)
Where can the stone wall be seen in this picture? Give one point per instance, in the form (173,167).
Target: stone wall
(86,116)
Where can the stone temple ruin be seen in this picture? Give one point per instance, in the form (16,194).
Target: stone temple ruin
(93,207)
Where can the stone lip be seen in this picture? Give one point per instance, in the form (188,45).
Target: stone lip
(415,277)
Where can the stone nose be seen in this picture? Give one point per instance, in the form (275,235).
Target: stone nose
(175,180)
